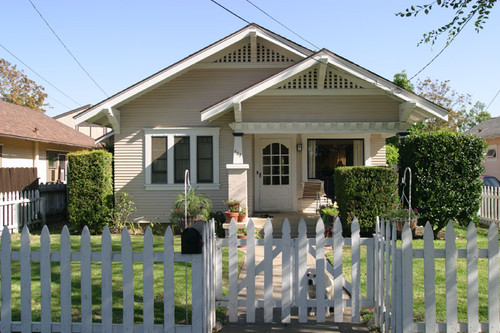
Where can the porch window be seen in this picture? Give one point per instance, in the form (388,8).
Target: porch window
(324,155)
(171,151)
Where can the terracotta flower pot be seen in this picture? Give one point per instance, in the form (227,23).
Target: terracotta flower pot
(242,217)
(231,215)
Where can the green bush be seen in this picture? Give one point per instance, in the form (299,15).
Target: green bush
(445,176)
(365,193)
(90,189)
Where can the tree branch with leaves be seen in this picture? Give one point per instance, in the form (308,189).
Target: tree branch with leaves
(465,11)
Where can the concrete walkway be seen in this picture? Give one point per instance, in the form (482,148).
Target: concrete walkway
(276,325)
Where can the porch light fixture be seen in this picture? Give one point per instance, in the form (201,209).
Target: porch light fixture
(299,146)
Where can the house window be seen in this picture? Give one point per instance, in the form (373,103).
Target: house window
(56,167)
(205,159)
(491,153)
(159,161)
(169,152)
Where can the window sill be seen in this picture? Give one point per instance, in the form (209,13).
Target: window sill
(179,187)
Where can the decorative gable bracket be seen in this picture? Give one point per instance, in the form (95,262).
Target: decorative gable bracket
(113,116)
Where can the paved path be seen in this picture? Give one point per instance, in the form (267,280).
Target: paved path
(277,326)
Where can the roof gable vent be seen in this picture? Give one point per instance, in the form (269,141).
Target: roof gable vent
(336,81)
(308,80)
(244,54)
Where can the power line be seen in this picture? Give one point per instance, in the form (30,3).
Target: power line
(442,50)
(498,92)
(218,4)
(55,34)
(284,26)
(31,69)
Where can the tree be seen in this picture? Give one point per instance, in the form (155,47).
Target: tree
(462,115)
(17,88)
(465,10)
(401,79)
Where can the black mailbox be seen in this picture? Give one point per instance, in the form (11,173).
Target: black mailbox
(192,238)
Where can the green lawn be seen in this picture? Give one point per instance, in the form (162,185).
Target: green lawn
(418,277)
(181,276)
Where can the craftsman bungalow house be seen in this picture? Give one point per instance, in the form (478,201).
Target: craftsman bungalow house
(253,116)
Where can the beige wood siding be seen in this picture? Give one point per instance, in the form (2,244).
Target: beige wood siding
(377,149)
(176,104)
(17,153)
(319,108)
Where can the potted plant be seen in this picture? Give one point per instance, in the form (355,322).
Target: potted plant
(241,233)
(328,214)
(398,215)
(243,214)
(198,208)
(233,206)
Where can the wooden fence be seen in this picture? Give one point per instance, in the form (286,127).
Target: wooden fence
(294,282)
(55,196)
(202,283)
(18,179)
(394,281)
(490,204)
(18,209)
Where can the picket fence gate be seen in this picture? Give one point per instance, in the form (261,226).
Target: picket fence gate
(202,283)
(490,204)
(18,209)
(294,286)
(394,280)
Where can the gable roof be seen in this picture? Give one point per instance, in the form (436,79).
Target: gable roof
(361,76)
(487,129)
(103,111)
(20,122)
(74,112)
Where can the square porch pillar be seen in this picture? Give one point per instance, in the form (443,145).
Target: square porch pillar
(237,173)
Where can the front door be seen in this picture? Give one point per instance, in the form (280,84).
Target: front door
(274,174)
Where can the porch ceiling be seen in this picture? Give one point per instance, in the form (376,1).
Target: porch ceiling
(319,127)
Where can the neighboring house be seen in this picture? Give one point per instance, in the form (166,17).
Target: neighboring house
(253,116)
(489,131)
(94,131)
(30,139)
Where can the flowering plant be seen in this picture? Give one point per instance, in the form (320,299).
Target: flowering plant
(401,213)
(198,207)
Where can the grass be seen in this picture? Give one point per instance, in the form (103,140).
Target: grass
(440,286)
(182,281)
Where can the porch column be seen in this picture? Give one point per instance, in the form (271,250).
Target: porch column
(237,173)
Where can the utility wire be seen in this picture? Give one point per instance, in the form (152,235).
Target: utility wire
(442,50)
(284,26)
(55,34)
(218,4)
(498,92)
(31,69)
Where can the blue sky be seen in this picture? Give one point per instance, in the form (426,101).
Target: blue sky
(120,42)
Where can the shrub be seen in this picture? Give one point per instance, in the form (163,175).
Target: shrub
(365,193)
(124,206)
(445,173)
(90,189)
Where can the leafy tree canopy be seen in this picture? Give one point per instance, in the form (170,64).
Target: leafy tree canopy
(465,11)
(17,88)
(401,79)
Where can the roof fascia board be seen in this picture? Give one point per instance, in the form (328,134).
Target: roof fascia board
(252,91)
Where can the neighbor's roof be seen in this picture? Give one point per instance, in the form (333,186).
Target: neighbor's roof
(487,129)
(20,122)
(74,111)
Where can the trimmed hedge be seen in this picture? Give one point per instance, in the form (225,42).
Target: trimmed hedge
(90,189)
(365,193)
(445,171)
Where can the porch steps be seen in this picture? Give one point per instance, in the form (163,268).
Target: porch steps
(313,196)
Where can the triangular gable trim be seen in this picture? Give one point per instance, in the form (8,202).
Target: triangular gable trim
(183,65)
(340,64)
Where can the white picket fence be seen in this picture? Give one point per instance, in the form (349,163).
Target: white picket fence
(18,209)
(294,283)
(490,204)
(202,283)
(394,280)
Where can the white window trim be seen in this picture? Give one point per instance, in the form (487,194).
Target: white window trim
(170,133)
(491,159)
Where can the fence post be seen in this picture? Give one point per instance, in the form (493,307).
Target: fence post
(407,279)
(451,279)
(6,281)
(338,242)
(493,279)
(429,280)
(250,261)
(196,286)
(356,265)
(472,280)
